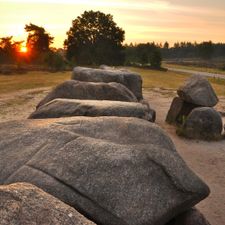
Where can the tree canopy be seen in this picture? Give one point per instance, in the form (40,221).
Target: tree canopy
(8,49)
(95,38)
(206,50)
(144,54)
(38,39)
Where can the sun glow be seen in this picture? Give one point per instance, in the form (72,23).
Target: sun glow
(23,49)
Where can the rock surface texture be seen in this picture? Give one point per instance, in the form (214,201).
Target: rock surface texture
(25,204)
(71,107)
(179,110)
(197,90)
(92,91)
(203,123)
(116,171)
(190,217)
(131,80)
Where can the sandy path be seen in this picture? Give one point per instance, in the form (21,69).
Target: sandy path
(207,159)
(20,105)
(204,74)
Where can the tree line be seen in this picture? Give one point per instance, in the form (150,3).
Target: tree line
(147,54)
(204,50)
(93,39)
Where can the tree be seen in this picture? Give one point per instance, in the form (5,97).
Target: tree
(9,49)
(166,45)
(95,38)
(54,61)
(38,39)
(206,50)
(156,59)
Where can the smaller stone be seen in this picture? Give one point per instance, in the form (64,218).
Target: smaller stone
(203,123)
(105,67)
(198,90)
(190,217)
(179,110)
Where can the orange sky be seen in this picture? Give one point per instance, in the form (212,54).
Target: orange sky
(143,21)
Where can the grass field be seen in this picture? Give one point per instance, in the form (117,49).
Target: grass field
(151,79)
(13,83)
(172,80)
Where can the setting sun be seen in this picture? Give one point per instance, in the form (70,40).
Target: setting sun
(23,49)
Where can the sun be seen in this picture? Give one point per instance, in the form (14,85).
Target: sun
(23,49)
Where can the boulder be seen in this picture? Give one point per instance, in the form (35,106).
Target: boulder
(114,170)
(197,90)
(105,67)
(190,217)
(131,80)
(203,123)
(73,107)
(87,90)
(179,110)
(25,204)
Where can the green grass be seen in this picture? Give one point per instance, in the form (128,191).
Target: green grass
(172,80)
(160,79)
(196,68)
(31,80)
(151,79)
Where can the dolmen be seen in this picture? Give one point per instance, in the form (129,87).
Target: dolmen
(96,92)
(112,170)
(92,153)
(192,111)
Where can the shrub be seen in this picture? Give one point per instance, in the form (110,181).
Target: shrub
(156,59)
(54,61)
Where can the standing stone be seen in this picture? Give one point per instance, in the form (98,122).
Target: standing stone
(179,110)
(197,90)
(115,170)
(25,204)
(203,123)
(131,80)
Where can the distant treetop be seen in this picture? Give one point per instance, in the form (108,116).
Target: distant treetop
(38,39)
(95,38)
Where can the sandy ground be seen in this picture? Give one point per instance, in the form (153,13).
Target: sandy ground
(207,159)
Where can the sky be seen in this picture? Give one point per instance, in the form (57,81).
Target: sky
(142,20)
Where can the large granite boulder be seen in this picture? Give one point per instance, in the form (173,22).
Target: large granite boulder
(190,217)
(179,110)
(203,123)
(93,91)
(131,80)
(25,204)
(72,107)
(198,90)
(114,170)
